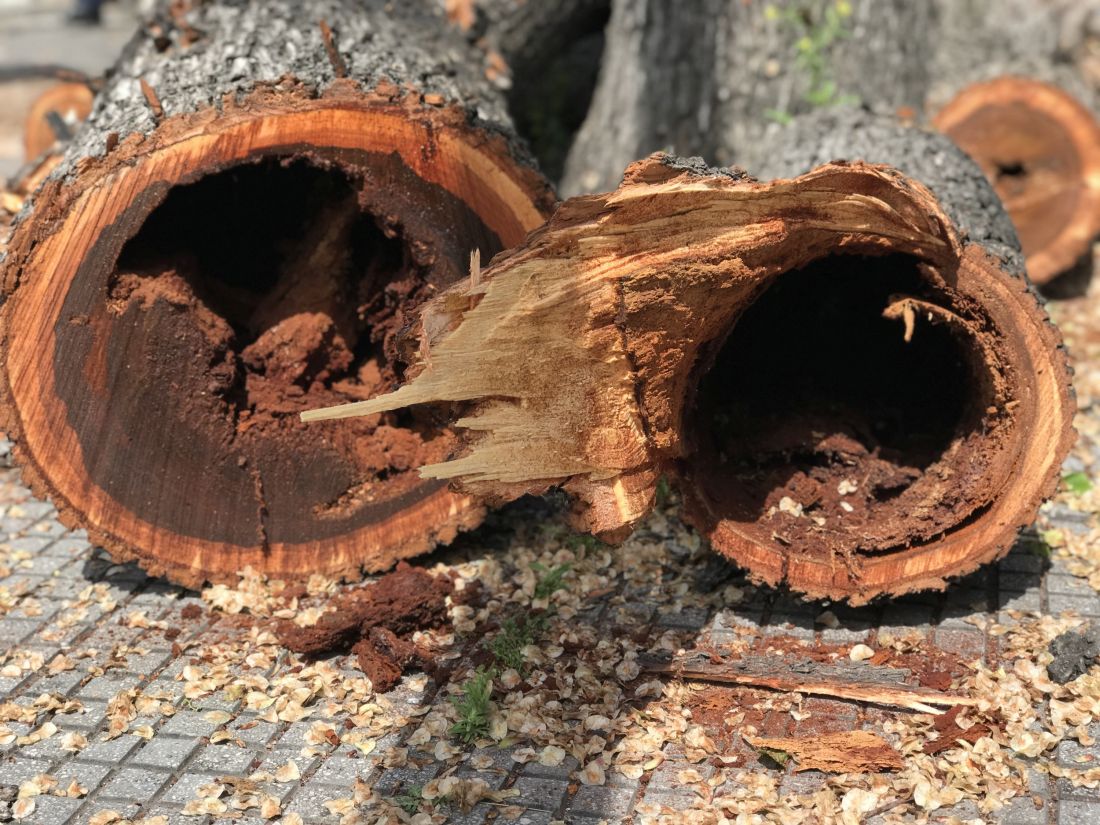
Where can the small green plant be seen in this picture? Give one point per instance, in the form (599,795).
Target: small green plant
(514,635)
(664,491)
(473,706)
(1077,483)
(410,798)
(550,580)
(780,758)
(1037,545)
(575,541)
(816,37)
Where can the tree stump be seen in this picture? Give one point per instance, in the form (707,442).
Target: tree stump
(261,196)
(1040,148)
(850,379)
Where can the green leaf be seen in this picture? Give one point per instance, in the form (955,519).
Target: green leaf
(778,757)
(1077,483)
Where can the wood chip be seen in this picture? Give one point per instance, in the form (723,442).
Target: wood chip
(852,751)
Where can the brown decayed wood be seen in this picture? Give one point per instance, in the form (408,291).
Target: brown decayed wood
(70,101)
(583,359)
(852,751)
(133,405)
(1040,148)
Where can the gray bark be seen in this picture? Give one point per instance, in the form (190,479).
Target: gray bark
(715,77)
(553,52)
(243,44)
(931,158)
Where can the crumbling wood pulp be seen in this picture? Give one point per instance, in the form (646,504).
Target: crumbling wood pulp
(854,397)
(262,194)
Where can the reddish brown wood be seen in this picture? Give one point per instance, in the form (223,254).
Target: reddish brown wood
(199,271)
(854,398)
(1040,148)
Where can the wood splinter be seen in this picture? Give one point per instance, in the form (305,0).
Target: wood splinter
(731,334)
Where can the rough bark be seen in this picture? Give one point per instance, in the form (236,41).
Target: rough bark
(547,56)
(709,79)
(262,194)
(851,381)
(720,80)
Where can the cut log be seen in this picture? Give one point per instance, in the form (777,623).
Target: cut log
(54,117)
(851,381)
(1040,148)
(261,196)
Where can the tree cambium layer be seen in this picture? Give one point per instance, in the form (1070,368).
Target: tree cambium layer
(854,397)
(262,195)
(1040,148)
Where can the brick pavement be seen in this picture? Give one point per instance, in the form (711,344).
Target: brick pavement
(159,776)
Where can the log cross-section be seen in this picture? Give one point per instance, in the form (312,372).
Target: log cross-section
(854,398)
(263,193)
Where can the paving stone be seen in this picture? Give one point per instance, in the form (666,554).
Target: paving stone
(544,794)
(184,789)
(339,769)
(224,758)
(134,784)
(310,801)
(17,771)
(52,810)
(166,752)
(1067,790)
(613,804)
(251,730)
(188,723)
(1083,605)
(1078,813)
(89,774)
(92,716)
(112,750)
(1024,812)
(562,771)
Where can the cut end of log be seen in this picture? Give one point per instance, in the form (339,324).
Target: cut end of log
(175,306)
(863,428)
(53,116)
(1040,148)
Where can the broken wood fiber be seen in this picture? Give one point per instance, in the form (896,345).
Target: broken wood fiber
(273,213)
(748,339)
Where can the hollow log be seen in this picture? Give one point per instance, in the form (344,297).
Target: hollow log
(1040,148)
(261,196)
(850,379)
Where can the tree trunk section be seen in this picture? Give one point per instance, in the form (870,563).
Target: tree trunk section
(848,377)
(1040,148)
(262,195)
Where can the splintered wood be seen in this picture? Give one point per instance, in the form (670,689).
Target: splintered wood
(854,751)
(593,358)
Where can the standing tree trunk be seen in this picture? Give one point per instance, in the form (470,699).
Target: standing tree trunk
(262,195)
(712,78)
(847,375)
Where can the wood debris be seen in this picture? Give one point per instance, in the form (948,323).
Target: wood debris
(856,751)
